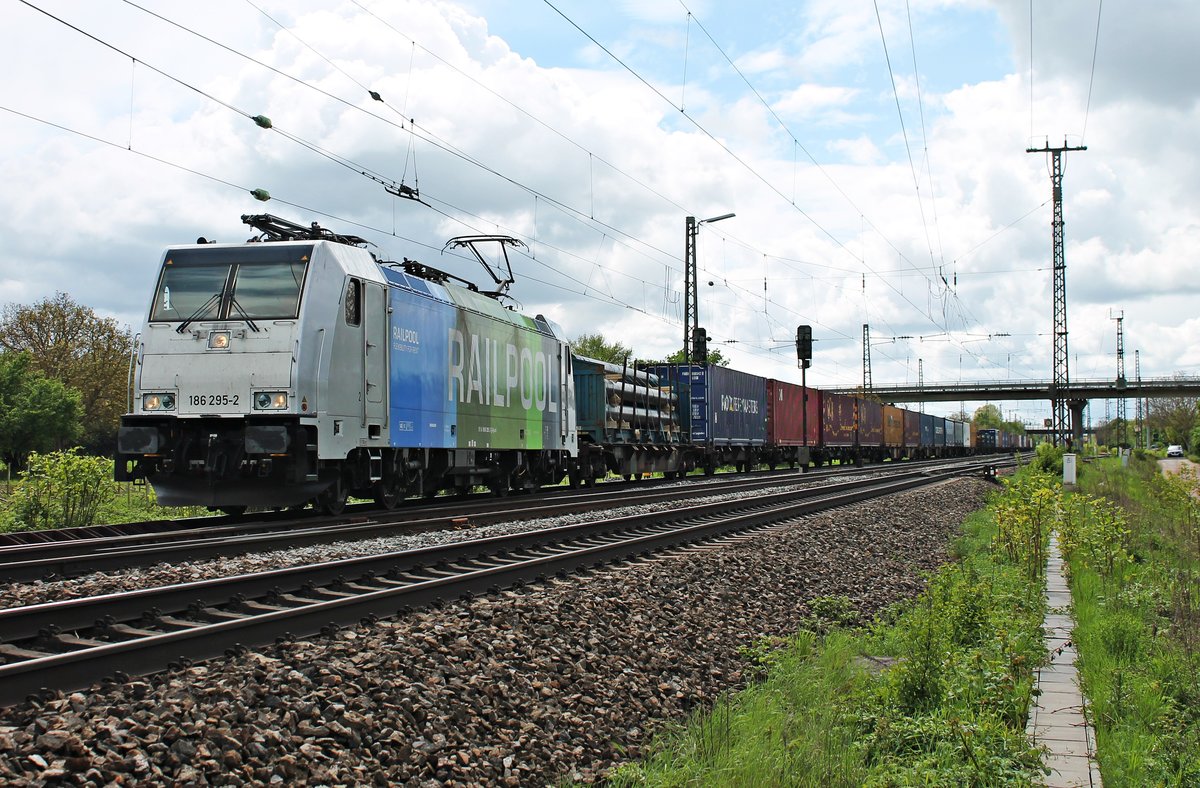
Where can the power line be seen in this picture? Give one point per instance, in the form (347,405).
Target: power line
(757,175)
(412,129)
(924,135)
(904,130)
(1092,76)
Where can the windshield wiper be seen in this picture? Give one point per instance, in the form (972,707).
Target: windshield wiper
(203,308)
(234,303)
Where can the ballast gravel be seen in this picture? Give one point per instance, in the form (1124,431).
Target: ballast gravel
(555,682)
(39,591)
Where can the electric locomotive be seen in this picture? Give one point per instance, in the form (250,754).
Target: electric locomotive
(296,367)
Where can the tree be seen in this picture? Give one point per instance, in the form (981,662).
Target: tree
(988,417)
(1171,419)
(713,357)
(68,342)
(36,413)
(597,347)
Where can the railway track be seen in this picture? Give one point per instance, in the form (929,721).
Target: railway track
(75,643)
(152,529)
(70,557)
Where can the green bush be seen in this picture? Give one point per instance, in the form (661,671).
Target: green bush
(61,489)
(1049,459)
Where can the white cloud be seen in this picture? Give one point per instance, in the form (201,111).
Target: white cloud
(620,169)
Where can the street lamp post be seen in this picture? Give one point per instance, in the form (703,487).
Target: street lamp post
(691,306)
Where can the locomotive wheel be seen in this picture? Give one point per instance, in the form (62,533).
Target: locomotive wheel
(388,494)
(233,511)
(333,500)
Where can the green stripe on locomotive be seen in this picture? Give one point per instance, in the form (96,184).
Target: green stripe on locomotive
(503,377)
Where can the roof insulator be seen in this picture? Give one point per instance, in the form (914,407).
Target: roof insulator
(262,120)
(261,194)
(375,95)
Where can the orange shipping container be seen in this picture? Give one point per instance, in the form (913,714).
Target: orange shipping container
(893,426)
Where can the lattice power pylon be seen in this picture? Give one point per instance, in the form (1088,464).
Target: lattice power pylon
(1060,424)
(1121,418)
(866,356)
(1139,434)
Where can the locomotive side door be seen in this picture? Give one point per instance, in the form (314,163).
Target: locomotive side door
(375,353)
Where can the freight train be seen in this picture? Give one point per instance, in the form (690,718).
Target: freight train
(297,368)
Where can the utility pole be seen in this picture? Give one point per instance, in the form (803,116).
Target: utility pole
(691,304)
(1062,371)
(1121,418)
(866,357)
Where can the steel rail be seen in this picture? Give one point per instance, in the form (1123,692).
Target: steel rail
(203,619)
(55,560)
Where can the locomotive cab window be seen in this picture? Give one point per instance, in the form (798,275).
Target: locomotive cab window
(231,284)
(353,302)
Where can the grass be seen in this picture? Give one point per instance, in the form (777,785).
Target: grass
(934,692)
(1138,630)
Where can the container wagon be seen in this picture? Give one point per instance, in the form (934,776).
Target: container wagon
(793,426)
(726,419)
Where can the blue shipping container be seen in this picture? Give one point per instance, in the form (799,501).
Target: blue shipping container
(926,429)
(728,408)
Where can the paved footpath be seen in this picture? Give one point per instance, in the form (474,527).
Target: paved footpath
(1057,720)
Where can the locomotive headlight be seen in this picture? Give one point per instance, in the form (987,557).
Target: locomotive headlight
(271,400)
(158,402)
(218,340)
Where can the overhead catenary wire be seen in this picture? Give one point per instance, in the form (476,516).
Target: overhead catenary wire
(1092,76)
(332,156)
(735,156)
(744,164)
(412,126)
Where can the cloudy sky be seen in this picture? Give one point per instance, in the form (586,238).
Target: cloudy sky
(874,153)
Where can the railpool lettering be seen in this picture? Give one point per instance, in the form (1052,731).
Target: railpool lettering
(409,336)
(489,372)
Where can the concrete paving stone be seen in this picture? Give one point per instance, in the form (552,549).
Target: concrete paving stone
(1061,738)
(1059,682)
(1071,771)
(1058,669)
(1054,736)
(1060,702)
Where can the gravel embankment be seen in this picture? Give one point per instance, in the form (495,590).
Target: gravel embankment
(560,681)
(38,591)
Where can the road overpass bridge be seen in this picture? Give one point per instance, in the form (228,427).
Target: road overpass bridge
(1077,394)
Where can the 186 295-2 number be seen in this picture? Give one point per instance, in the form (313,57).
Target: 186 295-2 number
(212,400)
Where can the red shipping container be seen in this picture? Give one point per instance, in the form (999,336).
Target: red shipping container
(893,426)
(785,421)
(870,423)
